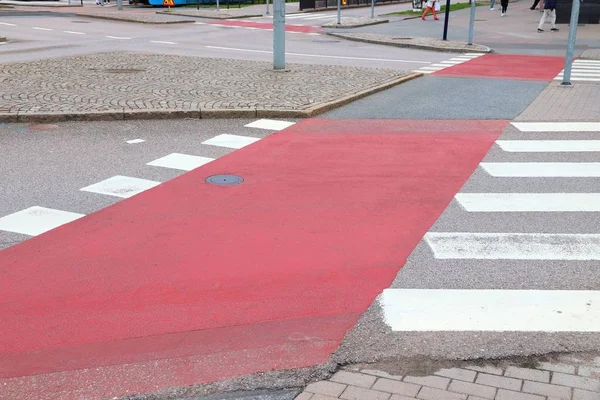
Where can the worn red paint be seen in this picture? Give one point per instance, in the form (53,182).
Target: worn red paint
(190,282)
(506,66)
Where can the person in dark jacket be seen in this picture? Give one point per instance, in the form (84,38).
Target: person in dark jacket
(504,4)
(549,12)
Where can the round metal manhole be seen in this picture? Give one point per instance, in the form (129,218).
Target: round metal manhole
(42,127)
(225,180)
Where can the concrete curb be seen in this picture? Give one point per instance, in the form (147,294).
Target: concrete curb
(484,49)
(217,16)
(114,115)
(133,20)
(312,10)
(358,25)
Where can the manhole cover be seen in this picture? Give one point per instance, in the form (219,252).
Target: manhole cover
(225,180)
(42,127)
(81,22)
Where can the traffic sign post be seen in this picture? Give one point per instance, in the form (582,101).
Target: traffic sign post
(571,44)
(279,34)
(169,4)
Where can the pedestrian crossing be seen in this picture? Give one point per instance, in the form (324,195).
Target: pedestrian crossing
(310,17)
(583,70)
(515,231)
(38,219)
(463,58)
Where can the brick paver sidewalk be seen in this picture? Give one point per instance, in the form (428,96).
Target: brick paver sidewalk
(564,377)
(139,85)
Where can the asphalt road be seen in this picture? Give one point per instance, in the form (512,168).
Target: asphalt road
(33,37)
(70,156)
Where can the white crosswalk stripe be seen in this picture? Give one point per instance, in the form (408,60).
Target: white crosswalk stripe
(529,309)
(583,70)
(429,69)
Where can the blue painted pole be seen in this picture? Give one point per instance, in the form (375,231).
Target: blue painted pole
(472,22)
(279,34)
(571,44)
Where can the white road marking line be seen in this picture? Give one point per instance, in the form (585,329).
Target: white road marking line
(231,141)
(184,162)
(270,124)
(118,37)
(593,67)
(582,61)
(557,126)
(36,220)
(74,33)
(529,202)
(431,69)
(441,65)
(451,62)
(580,79)
(542,169)
(321,17)
(513,246)
(121,186)
(317,55)
(491,310)
(200,23)
(161,42)
(549,146)
(7,24)
(586,73)
(135,141)
(474,54)
(37,28)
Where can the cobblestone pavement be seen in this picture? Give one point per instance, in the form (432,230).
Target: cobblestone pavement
(414,42)
(212,13)
(562,377)
(355,22)
(130,85)
(557,103)
(145,17)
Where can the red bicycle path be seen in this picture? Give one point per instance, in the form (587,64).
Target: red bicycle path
(190,283)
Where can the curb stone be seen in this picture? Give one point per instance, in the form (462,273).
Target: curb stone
(355,23)
(126,19)
(208,16)
(433,47)
(202,114)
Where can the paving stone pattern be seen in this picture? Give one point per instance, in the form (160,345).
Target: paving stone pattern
(566,377)
(414,42)
(577,103)
(130,82)
(144,18)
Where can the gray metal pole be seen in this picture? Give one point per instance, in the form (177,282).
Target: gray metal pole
(119,4)
(571,43)
(267,7)
(339,11)
(279,34)
(372,9)
(218,6)
(472,22)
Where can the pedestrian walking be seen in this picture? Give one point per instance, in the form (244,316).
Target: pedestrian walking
(430,6)
(504,4)
(549,12)
(492,2)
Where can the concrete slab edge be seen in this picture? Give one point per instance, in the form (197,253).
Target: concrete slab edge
(341,26)
(481,49)
(115,115)
(210,17)
(133,20)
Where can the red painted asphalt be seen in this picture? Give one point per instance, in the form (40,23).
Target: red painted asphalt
(190,282)
(504,66)
(262,25)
